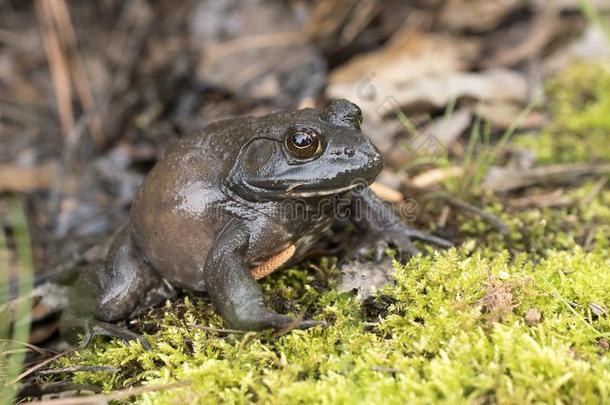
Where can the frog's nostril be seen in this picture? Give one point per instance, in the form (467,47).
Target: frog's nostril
(350,151)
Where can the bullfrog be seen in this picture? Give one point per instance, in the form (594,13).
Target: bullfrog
(228,202)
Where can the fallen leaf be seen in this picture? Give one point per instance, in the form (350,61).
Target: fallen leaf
(502,115)
(448,129)
(375,79)
(543,28)
(14,178)
(435,176)
(477,15)
(386,193)
(593,45)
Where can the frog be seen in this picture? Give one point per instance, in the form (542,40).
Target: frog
(227,200)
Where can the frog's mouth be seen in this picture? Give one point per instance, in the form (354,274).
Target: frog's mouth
(294,191)
(303,189)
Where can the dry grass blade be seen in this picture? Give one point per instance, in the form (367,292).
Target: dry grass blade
(58,64)
(39,366)
(59,39)
(508,179)
(436,176)
(77,369)
(67,34)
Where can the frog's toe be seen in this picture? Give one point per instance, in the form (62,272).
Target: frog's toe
(423,236)
(310,323)
(404,246)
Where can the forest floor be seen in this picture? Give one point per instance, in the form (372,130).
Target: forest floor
(496,134)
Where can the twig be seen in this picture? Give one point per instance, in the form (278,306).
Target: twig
(484,215)
(113,396)
(34,390)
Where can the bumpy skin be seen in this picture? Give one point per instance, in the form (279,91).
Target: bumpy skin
(224,200)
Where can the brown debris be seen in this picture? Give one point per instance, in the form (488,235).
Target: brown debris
(433,177)
(25,179)
(477,15)
(597,310)
(555,198)
(498,301)
(532,317)
(386,193)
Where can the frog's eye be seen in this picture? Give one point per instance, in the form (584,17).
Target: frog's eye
(303,143)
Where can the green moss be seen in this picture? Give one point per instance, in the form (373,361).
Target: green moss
(435,340)
(579,107)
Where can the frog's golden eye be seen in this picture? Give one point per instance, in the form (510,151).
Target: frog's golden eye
(303,143)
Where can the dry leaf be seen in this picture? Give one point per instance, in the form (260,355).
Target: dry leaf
(593,45)
(477,15)
(502,114)
(23,179)
(447,130)
(386,193)
(373,79)
(435,176)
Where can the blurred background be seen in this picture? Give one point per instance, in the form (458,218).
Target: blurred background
(455,93)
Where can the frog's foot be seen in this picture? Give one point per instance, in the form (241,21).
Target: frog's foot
(399,236)
(74,326)
(99,328)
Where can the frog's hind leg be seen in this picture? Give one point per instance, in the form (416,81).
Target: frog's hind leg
(119,289)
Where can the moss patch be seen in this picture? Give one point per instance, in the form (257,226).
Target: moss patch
(579,104)
(440,338)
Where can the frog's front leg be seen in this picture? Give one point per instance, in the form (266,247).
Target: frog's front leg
(383,227)
(233,289)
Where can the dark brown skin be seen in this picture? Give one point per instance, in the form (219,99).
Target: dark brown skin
(226,199)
